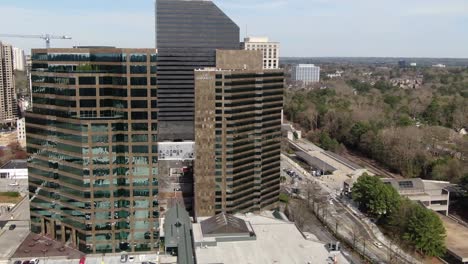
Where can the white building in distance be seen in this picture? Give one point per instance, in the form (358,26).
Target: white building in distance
(21,131)
(18,59)
(306,73)
(270,50)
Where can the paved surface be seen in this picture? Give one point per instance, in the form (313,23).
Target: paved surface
(11,239)
(276,242)
(19,212)
(8,185)
(40,246)
(344,169)
(352,225)
(457,236)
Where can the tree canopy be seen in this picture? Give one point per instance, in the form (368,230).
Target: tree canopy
(375,197)
(419,227)
(425,231)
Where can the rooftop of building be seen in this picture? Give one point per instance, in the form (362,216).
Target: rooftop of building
(315,162)
(177,233)
(258,40)
(223,224)
(306,65)
(35,245)
(276,241)
(15,164)
(417,185)
(455,240)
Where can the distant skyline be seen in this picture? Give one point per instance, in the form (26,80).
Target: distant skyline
(305,28)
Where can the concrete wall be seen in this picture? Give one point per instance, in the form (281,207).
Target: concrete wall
(239,59)
(15,173)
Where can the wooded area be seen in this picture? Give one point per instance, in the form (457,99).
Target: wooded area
(413,132)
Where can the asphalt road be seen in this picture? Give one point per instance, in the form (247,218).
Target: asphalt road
(11,239)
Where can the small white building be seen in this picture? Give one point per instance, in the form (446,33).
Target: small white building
(334,75)
(306,73)
(15,170)
(21,131)
(290,132)
(434,195)
(270,50)
(439,65)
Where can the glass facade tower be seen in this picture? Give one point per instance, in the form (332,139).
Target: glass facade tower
(91,137)
(187,35)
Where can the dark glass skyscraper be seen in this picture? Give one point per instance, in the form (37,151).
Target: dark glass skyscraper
(187,35)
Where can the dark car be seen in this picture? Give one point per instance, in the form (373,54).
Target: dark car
(26,262)
(17,262)
(12,227)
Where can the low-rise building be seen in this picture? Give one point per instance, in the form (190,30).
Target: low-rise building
(256,238)
(288,131)
(14,169)
(439,65)
(434,195)
(306,73)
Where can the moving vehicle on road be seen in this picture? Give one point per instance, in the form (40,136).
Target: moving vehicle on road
(12,227)
(378,244)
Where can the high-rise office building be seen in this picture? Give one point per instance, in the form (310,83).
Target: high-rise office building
(269,49)
(91,137)
(18,59)
(187,35)
(237,134)
(306,73)
(8,109)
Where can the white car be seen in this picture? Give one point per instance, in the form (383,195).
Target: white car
(34,261)
(131,258)
(378,244)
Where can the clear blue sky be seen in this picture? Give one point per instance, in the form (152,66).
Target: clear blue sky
(390,28)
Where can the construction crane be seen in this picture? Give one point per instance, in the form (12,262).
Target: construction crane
(46,37)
